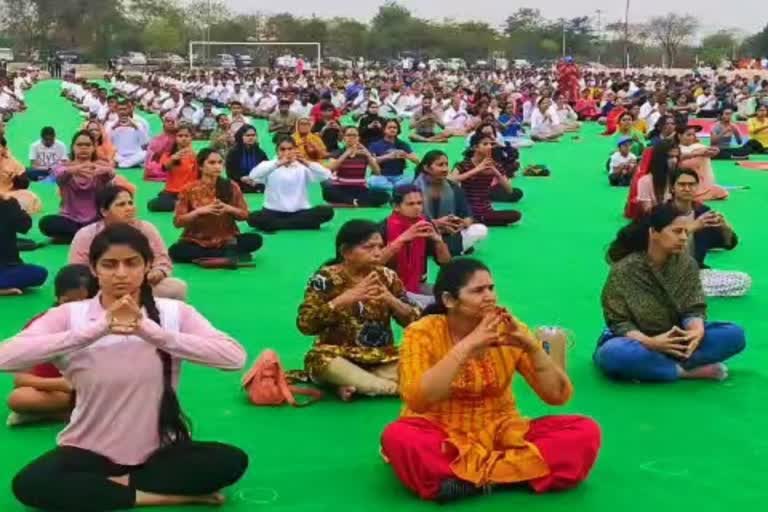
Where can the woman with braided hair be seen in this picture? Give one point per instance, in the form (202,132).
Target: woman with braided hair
(128,442)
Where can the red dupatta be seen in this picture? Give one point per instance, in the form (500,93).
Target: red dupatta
(411,259)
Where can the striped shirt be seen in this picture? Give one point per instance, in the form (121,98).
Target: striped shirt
(477,189)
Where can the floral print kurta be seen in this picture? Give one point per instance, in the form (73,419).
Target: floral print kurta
(360,333)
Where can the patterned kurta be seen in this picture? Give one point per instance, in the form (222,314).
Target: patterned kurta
(480,417)
(360,333)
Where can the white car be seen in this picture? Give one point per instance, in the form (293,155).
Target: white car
(136,59)
(226,61)
(6,55)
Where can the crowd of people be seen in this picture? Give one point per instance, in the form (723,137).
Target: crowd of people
(112,345)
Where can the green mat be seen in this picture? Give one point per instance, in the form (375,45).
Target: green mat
(691,445)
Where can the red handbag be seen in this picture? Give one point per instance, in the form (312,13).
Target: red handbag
(267,383)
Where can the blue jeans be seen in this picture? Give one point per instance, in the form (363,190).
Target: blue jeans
(628,359)
(22,276)
(382,182)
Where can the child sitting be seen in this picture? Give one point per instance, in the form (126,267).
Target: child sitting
(42,394)
(622,165)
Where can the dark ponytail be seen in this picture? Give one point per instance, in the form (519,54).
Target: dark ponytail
(223,186)
(452,277)
(634,237)
(173,424)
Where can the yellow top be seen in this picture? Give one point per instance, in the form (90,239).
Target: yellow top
(753,125)
(480,417)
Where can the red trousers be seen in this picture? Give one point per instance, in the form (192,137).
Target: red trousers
(568,444)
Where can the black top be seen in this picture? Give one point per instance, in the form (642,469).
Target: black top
(709,238)
(13,220)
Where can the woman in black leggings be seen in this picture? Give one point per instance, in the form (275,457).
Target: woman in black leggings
(208,210)
(128,442)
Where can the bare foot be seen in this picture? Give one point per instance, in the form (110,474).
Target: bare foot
(149,499)
(122,480)
(10,291)
(715,371)
(346,392)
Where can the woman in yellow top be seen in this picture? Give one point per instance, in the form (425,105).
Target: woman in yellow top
(758,131)
(310,145)
(460,429)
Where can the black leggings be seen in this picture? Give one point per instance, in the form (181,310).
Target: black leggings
(61,229)
(185,251)
(164,202)
(69,479)
(499,218)
(271,221)
(733,153)
(500,195)
(361,196)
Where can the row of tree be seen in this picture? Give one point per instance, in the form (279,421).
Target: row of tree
(104,28)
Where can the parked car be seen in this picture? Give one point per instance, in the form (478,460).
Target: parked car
(224,60)
(71,56)
(243,60)
(6,55)
(133,59)
(166,60)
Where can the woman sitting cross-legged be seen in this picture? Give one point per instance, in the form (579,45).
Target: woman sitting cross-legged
(127,443)
(411,238)
(158,147)
(208,210)
(286,198)
(476,175)
(349,304)
(14,181)
(116,206)
(41,393)
(709,230)
(79,180)
(460,432)
(243,157)
(180,165)
(446,206)
(15,275)
(310,145)
(349,166)
(698,157)
(655,308)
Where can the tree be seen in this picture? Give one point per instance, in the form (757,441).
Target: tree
(394,26)
(161,36)
(346,38)
(717,47)
(757,45)
(671,31)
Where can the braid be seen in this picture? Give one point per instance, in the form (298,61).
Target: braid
(173,425)
(223,190)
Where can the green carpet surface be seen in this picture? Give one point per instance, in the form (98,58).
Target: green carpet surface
(685,446)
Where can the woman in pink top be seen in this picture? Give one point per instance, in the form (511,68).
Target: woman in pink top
(79,181)
(153,169)
(116,205)
(127,443)
(655,187)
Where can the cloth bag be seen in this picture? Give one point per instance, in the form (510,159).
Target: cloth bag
(267,383)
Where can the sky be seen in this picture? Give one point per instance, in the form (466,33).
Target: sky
(713,14)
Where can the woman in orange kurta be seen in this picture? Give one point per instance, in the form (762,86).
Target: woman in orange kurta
(460,430)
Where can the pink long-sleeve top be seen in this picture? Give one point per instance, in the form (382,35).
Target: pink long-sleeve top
(78,192)
(81,245)
(117,378)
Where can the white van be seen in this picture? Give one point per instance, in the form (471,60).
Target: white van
(6,55)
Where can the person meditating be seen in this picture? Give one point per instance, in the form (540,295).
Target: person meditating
(286,198)
(180,166)
(45,154)
(127,443)
(310,145)
(79,180)
(709,230)
(653,188)
(129,138)
(698,157)
(446,206)
(349,304)
(159,146)
(460,431)
(15,275)
(208,210)
(476,174)
(655,309)
(14,181)
(41,393)
(349,166)
(116,205)
(244,156)
(410,237)
(392,155)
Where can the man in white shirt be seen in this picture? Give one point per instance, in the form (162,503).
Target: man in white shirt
(187,112)
(129,138)
(45,154)
(266,105)
(706,103)
(455,117)
(172,104)
(252,97)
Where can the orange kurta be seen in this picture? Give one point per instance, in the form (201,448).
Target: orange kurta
(480,418)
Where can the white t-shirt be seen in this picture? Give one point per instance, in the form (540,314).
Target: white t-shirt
(617,160)
(45,157)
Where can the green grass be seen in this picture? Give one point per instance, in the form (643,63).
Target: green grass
(693,445)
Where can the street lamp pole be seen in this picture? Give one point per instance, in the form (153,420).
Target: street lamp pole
(626,35)
(599,34)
